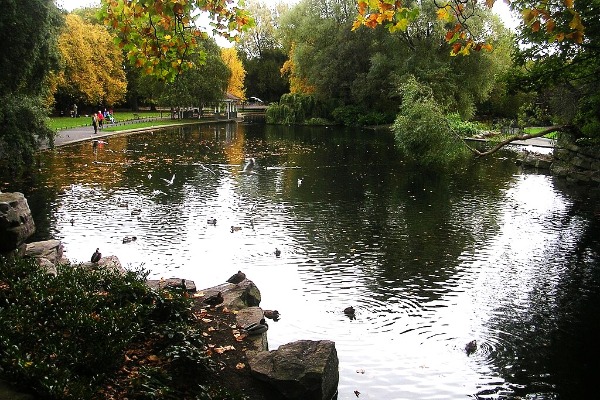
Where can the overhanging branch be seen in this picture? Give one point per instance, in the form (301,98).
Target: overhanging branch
(517,137)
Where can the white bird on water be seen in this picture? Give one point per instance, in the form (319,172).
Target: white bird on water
(169,182)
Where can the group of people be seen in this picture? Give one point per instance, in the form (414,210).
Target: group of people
(99,118)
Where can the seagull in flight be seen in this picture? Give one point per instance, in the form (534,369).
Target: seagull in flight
(169,182)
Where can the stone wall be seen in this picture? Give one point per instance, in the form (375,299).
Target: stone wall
(576,163)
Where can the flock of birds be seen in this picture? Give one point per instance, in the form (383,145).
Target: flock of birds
(216,299)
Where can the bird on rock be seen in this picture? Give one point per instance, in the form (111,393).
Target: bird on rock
(256,328)
(96,256)
(212,221)
(237,278)
(277,252)
(214,299)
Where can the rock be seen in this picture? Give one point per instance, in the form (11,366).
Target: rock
(47,265)
(251,315)
(190,286)
(304,369)
(235,297)
(51,250)
(16,223)
(110,262)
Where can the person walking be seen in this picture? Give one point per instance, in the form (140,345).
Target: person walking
(100,119)
(95,122)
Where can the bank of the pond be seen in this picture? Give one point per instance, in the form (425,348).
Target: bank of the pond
(83,133)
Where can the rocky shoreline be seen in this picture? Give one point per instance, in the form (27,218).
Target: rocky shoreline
(303,369)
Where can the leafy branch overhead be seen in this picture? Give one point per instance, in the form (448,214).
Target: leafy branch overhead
(160,36)
(558,19)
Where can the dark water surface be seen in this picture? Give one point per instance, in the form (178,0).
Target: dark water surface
(430,261)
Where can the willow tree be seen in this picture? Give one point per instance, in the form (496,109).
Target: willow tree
(560,38)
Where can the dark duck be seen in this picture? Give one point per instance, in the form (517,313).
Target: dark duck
(96,256)
(237,278)
(256,328)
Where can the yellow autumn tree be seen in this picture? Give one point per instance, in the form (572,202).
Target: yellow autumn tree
(297,83)
(235,85)
(92,71)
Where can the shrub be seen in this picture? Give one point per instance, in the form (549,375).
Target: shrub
(64,337)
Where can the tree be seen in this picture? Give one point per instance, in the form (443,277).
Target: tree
(92,70)
(558,20)
(264,77)
(235,85)
(205,83)
(28,31)
(161,37)
(357,71)
(263,34)
(262,53)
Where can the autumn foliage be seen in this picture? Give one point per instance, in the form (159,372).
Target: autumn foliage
(92,70)
(558,19)
(160,36)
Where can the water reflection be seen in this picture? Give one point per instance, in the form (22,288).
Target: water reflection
(429,260)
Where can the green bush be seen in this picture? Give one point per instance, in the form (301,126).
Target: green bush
(63,337)
(422,130)
(462,128)
(295,109)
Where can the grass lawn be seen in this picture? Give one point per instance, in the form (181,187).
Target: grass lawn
(147,124)
(533,130)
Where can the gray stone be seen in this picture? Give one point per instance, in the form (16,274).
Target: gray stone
(16,223)
(190,286)
(47,265)
(51,250)
(111,263)
(252,315)
(305,369)
(235,297)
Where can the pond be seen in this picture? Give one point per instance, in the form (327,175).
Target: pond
(430,260)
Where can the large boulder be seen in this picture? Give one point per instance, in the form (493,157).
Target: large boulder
(51,250)
(305,369)
(16,223)
(235,296)
(110,263)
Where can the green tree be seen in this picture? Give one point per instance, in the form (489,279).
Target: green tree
(262,53)
(564,72)
(263,75)
(28,31)
(204,84)
(356,71)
